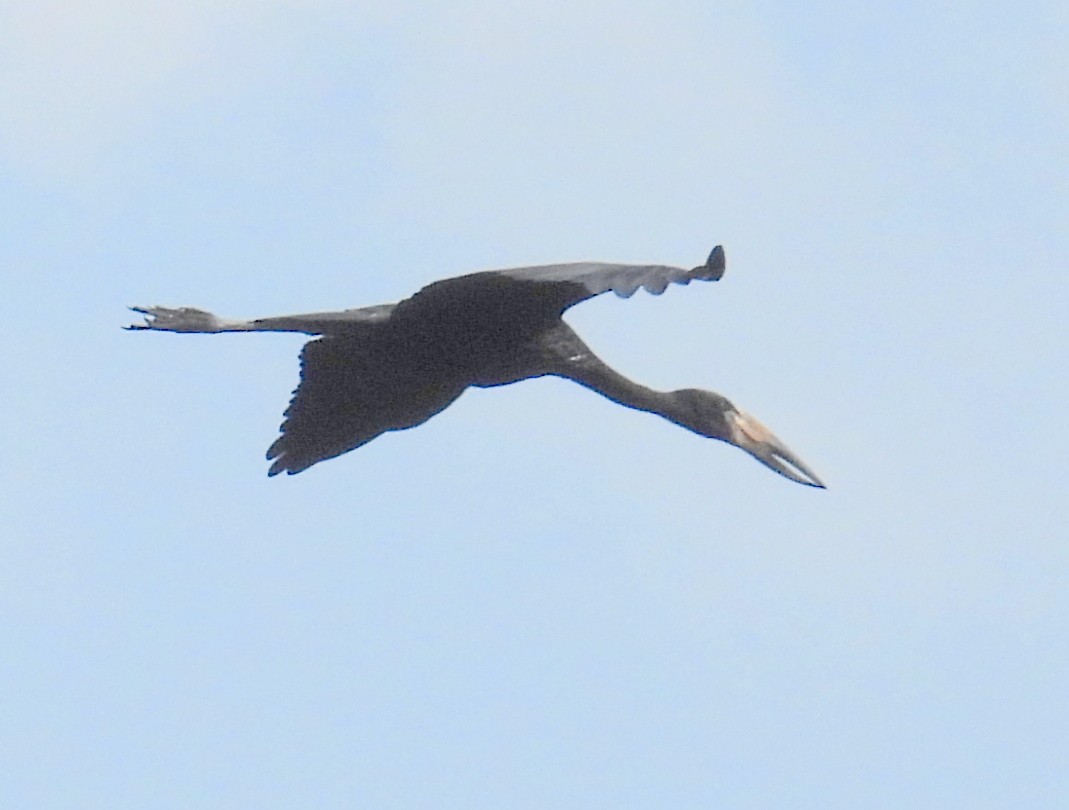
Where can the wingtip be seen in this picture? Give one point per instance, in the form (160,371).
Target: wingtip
(283,463)
(713,269)
(272,455)
(716,263)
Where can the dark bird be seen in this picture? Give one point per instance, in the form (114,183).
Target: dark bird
(394,366)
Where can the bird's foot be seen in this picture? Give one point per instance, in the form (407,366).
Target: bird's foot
(183,319)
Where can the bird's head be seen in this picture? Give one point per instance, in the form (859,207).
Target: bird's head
(714,416)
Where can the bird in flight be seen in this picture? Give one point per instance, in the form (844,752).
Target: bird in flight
(394,366)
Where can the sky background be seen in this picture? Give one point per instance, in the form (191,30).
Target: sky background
(538,599)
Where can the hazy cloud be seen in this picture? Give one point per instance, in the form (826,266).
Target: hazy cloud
(74,77)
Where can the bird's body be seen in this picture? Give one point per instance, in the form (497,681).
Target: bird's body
(392,367)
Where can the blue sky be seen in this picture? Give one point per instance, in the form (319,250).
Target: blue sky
(538,599)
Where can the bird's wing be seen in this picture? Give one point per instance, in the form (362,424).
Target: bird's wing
(594,278)
(352,391)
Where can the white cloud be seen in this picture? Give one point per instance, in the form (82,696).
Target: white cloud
(75,77)
(71,74)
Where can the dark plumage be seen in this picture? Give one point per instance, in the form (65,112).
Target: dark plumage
(393,367)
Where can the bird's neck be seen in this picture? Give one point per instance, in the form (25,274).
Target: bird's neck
(571,358)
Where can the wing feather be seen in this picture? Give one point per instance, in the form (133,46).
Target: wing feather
(595,278)
(353,390)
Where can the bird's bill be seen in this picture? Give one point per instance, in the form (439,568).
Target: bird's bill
(757,440)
